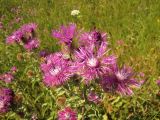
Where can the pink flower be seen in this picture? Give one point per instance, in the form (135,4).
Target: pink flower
(31,44)
(7,77)
(6,99)
(92,39)
(14,69)
(67,114)
(31,27)
(92,64)
(93,97)
(25,35)
(65,34)
(119,81)
(15,37)
(56,70)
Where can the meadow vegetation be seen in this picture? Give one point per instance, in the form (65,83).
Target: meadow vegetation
(133,35)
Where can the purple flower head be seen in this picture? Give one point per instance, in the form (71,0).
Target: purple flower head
(15,37)
(29,28)
(28,32)
(119,81)
(158,82)
(6,99)
(65,34)
(93,97)
(91,65)
(13,69)
(31,44)
(7,77)
(67,114)
(56,70)
(92,39)
(23,34)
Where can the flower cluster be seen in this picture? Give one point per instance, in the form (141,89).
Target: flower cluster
(25,36)
(84,57)
(6,99)
(90,60)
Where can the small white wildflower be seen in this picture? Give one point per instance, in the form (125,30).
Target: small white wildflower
(75,12)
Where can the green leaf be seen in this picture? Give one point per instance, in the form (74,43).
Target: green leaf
(79,116)
(105,117)
(116,100)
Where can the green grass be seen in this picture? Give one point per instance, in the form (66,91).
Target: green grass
(137,22)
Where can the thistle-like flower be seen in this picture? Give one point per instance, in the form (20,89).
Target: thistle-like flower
(7,77)
(24,35)
(28,28)
(119,81)
(56,70)
(31,44)
(92,64)
(65,34)
(92,39)
(67,114)
(6,99)
(15,37)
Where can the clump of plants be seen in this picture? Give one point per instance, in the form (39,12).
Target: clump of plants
(80,75)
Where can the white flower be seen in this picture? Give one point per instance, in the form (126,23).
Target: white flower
(75,12)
